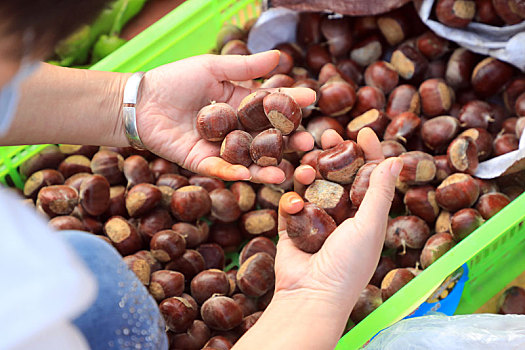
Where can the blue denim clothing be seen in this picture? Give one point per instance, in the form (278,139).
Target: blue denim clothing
(124,315)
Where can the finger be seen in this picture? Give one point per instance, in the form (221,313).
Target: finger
(268,174)
(330,138)
(290,203)
(373,212)
(370,144)
(218,167)
(233,93)
(304,175)
(239,68)
(301,141)
(303,96)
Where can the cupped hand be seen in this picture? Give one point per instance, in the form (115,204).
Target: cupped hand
(172,95)
(340,270)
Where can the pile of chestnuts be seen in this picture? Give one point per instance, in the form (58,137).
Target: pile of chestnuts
(459,13)
(439,107)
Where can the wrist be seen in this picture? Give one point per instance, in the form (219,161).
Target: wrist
(118,136)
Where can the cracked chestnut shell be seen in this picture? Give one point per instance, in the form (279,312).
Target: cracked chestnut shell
(462,155)
(309,228)
(341,163)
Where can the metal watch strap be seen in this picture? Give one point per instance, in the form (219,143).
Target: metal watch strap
(129,114)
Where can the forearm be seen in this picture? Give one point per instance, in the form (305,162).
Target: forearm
(297,323)
(75,106)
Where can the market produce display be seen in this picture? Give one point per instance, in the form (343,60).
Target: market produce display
(441,108)
(459,13)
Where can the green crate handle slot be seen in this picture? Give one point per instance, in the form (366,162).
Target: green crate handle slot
(493,252)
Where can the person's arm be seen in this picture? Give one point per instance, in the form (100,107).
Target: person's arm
(64,105)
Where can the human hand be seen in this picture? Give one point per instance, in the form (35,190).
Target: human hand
(172,95)
(339,271)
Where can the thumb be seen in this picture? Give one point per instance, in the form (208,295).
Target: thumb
(240,68)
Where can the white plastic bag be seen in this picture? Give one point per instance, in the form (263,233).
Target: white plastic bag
(478,331)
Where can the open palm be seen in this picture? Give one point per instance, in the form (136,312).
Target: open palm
(172,95)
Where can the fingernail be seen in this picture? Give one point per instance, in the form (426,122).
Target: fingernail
(279,52)
(396,167)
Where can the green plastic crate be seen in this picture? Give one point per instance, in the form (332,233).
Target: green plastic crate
(493,253)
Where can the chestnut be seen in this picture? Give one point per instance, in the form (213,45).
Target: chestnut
(381,75)
(117,202)
(439,131)
(403,98)
(490,75)
(256,245)
(140,267)
(175,181)
(340,163)
(476,114)
(432,46)
(327,72)
(367,50)
(150,259)
(369,300)
(490,204)
(506,11)
(156,220)
(248,322)
(454,13)
(436,97)
(215,121)
(408,258)
(394,281)
(409,63)
(161,166)
(110,165)
(256,275)
(337,32)
(235,148)
(142,198)
(351,69)
(285,65)
(224,205)
(337,97)
(309,228)
(373,118)
(57,200)
(48,158)
(485,13)
(244,194)
(436,70)
(137,171)
(232,276)
(509,125)
(512,92)
(209,282)
(402,127)
(512,301)
(123,235)
(178,313)
(418,168)
(194,338)
(482,139)
(40,179)
(436,246)
(266,148)
(213,255)
(66,222)
(75,164)
(251,112)
(189,203)
(394,26)
(464,222)
(459,68)
(227,235)
(385,265)
(421,201)
(406,231)
(443,169)
(331,197)
(504,144)
(94,195)
(167,245)
(392,148)
(74,181)
(368,97)
(189,264)
(259,222)
(278,81)
(456,192)
(218,343)
(221,313)
(318,125)
(462,155)
(361,183)
(317,56)
(166,284)
(282,112)
(228,33)
(235,47)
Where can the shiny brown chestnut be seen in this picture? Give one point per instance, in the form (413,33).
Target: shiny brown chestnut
(490,204)
(490,75)
(341,163)
(455,13)
(136,170)
(235,47)
(504,144)
(259,222)
(244,194)
(369,300)
(167,245)
(48,158)
(189,203)
(436,97)
(123,235)
(361,183)
(278,81)
(443,169)
(394,281)
(373,119)
(409,63)
(178,313)
(464,222)
(221,313)
(483,140)
(140,267)
(285,65)
(381,75)
(421,201)
(40,179)
(282,111)
(66,222)
(432,46)
(439,131)
(402,127)
(367,50)
(309,228)
(318,125)
(392,148)
(506,11)
(57,200)
(161,166)
(418,168)
(75,164)
(317,56)
(110,165)
(403,98)
(266,148)
(436,246)
(209,282)
(406,232)
(251,112)
(395,26)
(94,194)
(215,121)
(227,235)
(156,220)
(337,32)
(189,264)
(476,114)
(224,205)
(256,245)
(142,198)
(166,284)
(235,148)
(74,181)
(337,97)
(268,198)
(213,255)
(456,192)
(368,97)
(194,338)
(459,68)
(462,155)
(256,275)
